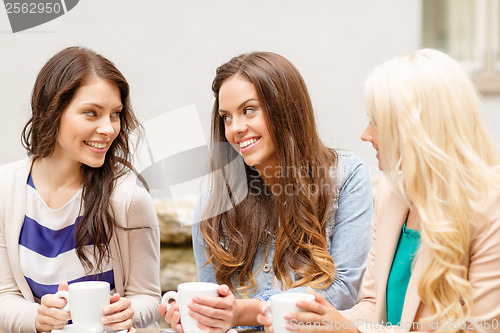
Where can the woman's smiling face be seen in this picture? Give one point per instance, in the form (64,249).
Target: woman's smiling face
(89,124)
(245,122)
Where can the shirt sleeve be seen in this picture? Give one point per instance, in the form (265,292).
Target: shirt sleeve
(351,239)
(143,285)
(17,314)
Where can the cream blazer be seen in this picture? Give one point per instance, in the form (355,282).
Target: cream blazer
(482,259)
(135,253)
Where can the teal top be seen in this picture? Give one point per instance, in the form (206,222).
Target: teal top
(400,273)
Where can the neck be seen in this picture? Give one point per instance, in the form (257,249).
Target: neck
(413,222)
(57,174)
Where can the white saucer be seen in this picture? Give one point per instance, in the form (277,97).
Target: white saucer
(69,329)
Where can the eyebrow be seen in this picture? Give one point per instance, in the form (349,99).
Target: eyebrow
(241,105)
(100,106)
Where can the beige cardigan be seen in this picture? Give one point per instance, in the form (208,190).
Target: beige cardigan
(482,259)
(135,253)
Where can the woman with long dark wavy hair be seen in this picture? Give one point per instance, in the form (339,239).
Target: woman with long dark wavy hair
(72,211)
(296,214)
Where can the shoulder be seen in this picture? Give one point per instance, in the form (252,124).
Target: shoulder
(350,167)
(348,161)
(12,174)
(127,188)
(13,167)
(131,201)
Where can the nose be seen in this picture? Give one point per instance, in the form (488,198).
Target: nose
(239,125)
(105,127)
(367,135)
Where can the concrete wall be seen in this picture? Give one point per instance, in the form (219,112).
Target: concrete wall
(169,49)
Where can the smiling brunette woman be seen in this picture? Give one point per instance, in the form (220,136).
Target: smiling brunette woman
(72,211)
(306,218)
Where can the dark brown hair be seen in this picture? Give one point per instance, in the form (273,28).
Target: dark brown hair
(298,221)
(54,88)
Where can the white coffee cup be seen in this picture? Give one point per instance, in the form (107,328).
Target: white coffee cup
(280,304)
(183,296)
(86,302)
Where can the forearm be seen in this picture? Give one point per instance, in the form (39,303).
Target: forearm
(246,311)
(145,310)
(142,286)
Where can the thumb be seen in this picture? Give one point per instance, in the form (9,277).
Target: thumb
(162,309)
(63,286)
(114,298)
(223,290)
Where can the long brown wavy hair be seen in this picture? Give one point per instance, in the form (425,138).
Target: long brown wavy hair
(296,218)
(54,88)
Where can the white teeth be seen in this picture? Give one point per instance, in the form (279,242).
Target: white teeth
(96,145)
(247,142)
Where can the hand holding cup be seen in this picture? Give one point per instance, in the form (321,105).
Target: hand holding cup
(50,315)
(86,302)
(283,304)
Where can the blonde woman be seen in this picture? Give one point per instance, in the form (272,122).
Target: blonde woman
(435,258)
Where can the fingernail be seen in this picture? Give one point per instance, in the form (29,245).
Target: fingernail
(287,316)
(104,320)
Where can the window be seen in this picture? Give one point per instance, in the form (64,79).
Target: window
(468,30)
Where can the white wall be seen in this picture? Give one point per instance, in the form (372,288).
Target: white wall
(492,113)
(169,50)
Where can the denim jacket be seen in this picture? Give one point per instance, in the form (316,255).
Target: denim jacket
(348,235)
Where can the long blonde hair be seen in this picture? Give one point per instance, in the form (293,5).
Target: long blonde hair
(436,151)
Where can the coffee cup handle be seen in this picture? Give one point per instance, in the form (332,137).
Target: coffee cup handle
(168,296)
(64,294)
